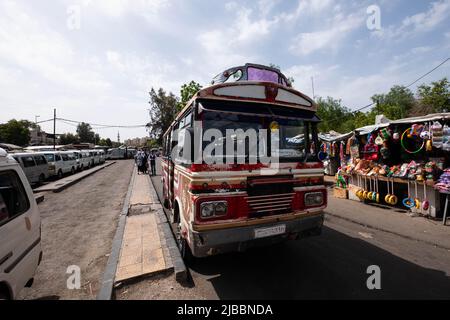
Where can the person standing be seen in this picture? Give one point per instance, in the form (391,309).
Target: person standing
(152,160)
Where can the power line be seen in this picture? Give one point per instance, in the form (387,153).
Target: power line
(102,126)
(409,85)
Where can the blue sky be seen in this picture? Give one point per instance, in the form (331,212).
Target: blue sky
(95,61)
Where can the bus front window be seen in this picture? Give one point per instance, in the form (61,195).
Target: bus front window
(289,137)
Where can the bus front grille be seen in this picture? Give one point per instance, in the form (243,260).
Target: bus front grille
(270,204)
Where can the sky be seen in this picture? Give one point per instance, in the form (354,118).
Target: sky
(96,60)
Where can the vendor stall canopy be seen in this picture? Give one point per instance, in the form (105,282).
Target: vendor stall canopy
(383,122)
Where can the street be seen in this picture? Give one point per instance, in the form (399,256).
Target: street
(78,225)
(331,266)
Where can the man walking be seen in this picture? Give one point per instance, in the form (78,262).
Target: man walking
(152,160)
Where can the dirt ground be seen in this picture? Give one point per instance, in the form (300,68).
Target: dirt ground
(78,225)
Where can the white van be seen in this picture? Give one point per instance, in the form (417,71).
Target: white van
(57,166)
(20,229)
(70,161)
(96,155)
(87,159)
(102,156)
(34,166)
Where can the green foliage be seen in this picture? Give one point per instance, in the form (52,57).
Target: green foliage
(85,133)
(16,132)
(334,115)
(435,97)
(105,142)
(68,138)
(163,111)
(396,104)
(187,92)
(152,143)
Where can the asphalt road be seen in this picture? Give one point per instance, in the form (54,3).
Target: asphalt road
(78,225)
(331,266)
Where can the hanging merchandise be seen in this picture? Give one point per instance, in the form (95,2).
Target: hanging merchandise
(409,202)
(396,135)
(385,134)
(379,141)
(446,138)
(412,134)
(436,134)
(370,150)
(425,203)
(385,152)
(341,153)
(354,149)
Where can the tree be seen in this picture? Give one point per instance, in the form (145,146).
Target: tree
(105,142)
(334,115)
(396,104)
(68,138)
(187,92)
(434,97)
(16,132)
(84,131)
(162,112)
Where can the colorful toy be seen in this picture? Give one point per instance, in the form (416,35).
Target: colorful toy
(408,133)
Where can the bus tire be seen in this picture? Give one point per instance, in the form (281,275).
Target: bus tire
(41,179)
(72,171)
(60,174)
(183,246)
(166,203)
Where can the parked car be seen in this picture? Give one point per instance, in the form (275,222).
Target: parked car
(57,166)
(34,166)
(20,229)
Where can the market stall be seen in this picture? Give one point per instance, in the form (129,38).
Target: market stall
(399,163)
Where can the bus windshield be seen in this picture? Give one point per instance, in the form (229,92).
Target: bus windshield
(290,140)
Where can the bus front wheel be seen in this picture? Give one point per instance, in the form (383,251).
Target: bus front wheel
(183,246)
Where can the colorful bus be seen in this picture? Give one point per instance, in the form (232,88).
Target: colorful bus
(238,201)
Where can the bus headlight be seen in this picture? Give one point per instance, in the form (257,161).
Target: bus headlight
(207,209)
(220,208)
(213,208)
(313,199)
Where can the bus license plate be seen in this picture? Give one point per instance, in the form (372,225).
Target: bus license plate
(272,231)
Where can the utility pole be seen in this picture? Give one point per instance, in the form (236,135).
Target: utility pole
(54,129)
(35,119)
(312,84)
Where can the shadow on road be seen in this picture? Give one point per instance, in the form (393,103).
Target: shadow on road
(332,266)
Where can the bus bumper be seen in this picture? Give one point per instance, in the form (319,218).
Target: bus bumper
(207,243)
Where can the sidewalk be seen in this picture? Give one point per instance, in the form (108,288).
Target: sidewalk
(416,228)
(63,183)
(144,250)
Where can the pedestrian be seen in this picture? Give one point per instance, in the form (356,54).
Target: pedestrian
(152,160)
(140,161)
(144,162)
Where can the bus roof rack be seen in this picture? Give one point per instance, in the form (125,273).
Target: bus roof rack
(252,72)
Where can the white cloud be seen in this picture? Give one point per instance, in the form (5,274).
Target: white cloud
(331,38)
(118,8)
(418,23)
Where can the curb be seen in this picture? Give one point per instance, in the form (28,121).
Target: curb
(109,275)
(71,183)
(387,231)
(179,267)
